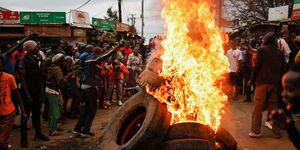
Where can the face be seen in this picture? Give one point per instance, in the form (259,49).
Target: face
(291,91)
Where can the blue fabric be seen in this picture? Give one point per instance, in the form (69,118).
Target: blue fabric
(84,55)
(9,66)
(91,72)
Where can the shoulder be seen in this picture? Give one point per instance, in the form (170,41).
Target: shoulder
(8,76)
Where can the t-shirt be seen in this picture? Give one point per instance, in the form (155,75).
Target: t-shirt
(17,55)
(7,83)
(234,56)
(9,66)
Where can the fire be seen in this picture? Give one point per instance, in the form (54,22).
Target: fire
(193,63)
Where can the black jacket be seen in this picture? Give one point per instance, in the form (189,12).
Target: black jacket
(269,66)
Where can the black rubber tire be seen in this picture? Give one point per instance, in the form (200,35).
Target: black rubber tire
(190,131)
(226,140)
(189,136)
(187,144)
(151,132)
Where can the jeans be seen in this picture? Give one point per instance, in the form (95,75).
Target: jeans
(265,98)
(119,89)
(54,106)
(88,111)
(6,126)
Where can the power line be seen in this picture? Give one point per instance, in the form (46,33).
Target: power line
(83,4)
(125,9)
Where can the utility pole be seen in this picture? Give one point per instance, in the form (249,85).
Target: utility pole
(142,16)
(132,19)
(120,10)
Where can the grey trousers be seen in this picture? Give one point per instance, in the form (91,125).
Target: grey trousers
(265,98)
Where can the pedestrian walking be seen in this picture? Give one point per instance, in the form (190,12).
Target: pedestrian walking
(268,69)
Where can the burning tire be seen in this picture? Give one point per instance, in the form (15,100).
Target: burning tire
(189,136)
(141,123)
(226,140)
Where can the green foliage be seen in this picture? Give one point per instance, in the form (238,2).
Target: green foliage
(254,11)
(112,15)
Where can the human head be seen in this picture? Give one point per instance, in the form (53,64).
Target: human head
(56,46)
(5,47)
(291,89)
(70,50)
(58,58)
(233,45)
(98,50)
(285,30)
(269,38)
(89,48)
(31,47)
(136,50)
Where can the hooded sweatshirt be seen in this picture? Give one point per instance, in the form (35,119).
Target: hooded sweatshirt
(269,66)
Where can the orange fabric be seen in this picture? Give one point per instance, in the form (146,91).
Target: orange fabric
(111,75)
(7,83)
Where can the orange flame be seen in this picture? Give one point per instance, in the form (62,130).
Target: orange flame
(193,62)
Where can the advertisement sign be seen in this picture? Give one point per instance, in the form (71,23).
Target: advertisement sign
(80,18)
(42,17)
(296,10)
(104,24)
(122,26)
(278,13)
(77,32)
(48,30)
(9,17)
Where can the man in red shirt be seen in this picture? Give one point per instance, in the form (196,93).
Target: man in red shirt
(8,87)
(115,73)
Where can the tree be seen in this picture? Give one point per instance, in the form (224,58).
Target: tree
(112,15)
(254,11)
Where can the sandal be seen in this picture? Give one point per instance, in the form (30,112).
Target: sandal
(254,135)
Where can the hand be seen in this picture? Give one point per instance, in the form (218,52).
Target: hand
(249,83)
(24,116)
(280,119)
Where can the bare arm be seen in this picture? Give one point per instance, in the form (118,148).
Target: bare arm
(16,95)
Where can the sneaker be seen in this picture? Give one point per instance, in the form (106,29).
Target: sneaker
(268,125)
(114,101)
(87,134)
(76,132)
(107,103)
(120,103)
(54,133)
(254,135)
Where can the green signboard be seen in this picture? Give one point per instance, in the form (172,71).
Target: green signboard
(104,24)
(42,17)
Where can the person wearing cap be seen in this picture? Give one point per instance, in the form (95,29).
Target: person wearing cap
(31,79)
(267,73)
(55,81)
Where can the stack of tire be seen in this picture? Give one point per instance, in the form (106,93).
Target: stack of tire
(143,123)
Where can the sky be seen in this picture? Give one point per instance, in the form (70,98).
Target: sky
(97,8)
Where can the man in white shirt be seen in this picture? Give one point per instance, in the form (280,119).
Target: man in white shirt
(234,57)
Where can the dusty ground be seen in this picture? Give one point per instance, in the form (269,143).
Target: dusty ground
(236,120)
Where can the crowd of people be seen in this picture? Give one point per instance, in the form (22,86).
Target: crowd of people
(40,84)
(269,68)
